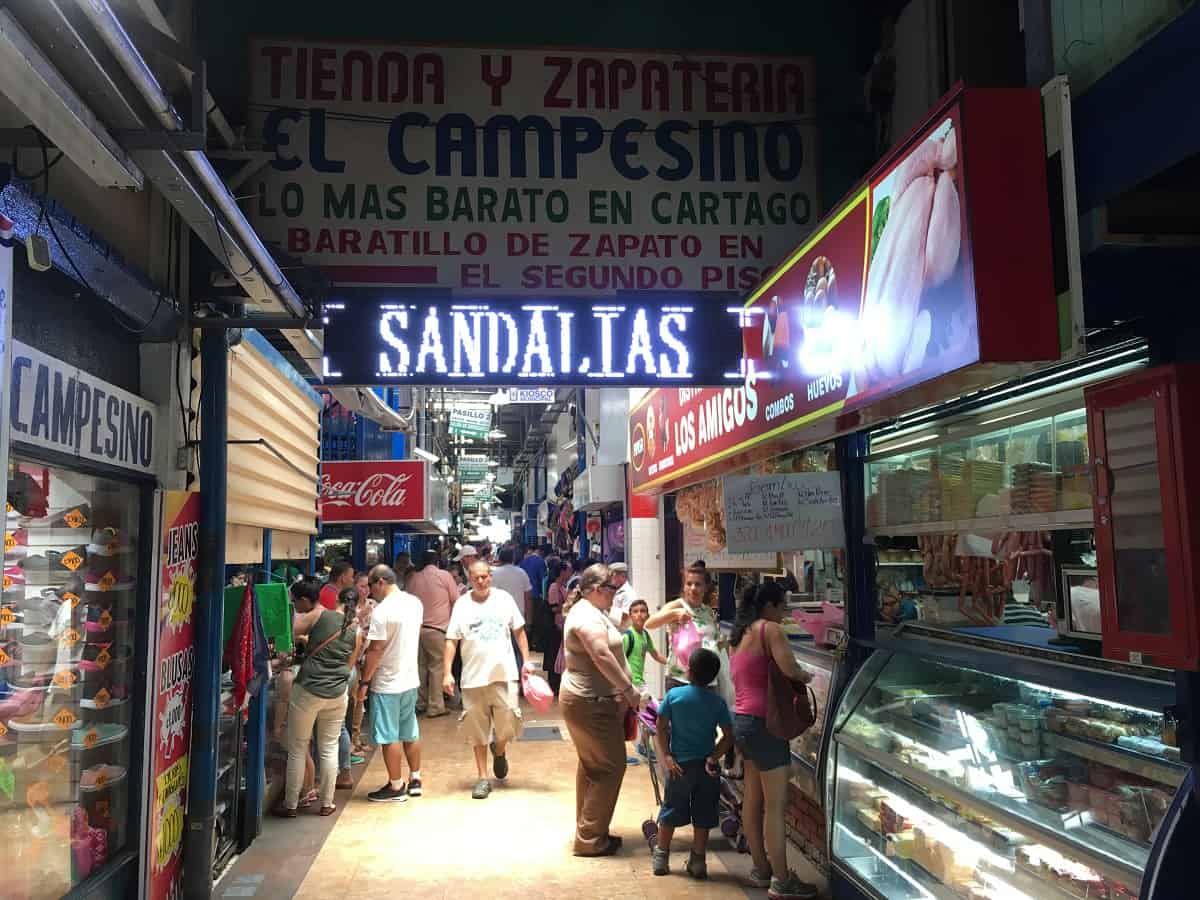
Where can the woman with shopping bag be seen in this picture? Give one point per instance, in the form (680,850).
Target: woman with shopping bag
(691,622)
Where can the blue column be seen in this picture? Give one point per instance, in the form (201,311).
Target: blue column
(206,679)
(256,744)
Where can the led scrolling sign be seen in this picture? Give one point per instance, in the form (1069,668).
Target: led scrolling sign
(371,339)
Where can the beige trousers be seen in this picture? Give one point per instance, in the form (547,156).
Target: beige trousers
(431,669)
(597,729)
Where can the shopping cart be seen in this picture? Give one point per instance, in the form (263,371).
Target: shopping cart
(729,813)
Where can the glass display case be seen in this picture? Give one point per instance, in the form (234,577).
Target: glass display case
(67,637)
(1034,465)
(806,749)
(951,781)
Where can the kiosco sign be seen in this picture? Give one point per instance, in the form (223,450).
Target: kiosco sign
(382,491)
(372,339)
(939,261)
(529,171)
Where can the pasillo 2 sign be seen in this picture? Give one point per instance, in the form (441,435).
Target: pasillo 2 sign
(468,422)
(379,491)
(60,407)
(172,679)
(371,338)
(533,170)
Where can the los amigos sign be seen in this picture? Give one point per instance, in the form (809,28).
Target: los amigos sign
(376,491)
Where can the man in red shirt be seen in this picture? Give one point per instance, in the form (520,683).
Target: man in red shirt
(437,591)
(341,576)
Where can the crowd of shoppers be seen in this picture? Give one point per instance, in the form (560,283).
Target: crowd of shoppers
(458,628)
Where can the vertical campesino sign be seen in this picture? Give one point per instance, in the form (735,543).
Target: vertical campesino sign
(533,171)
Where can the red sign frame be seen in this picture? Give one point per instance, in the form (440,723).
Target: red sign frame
(171,725)
(392,490)
(937,263)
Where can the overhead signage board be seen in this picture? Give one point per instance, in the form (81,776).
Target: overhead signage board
(472,469)
(57,406)
(938,261)
(472,422)
(529,395)
(532,171)
(395,490)
(801,511)
(374,338)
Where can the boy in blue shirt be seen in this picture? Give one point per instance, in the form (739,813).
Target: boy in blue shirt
(688,719)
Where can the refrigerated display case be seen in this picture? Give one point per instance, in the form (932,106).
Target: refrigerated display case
(69,642)
(962,771)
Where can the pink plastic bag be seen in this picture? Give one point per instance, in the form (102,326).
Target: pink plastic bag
(686,640)
(537,691)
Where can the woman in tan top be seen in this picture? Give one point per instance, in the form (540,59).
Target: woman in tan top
(597,688)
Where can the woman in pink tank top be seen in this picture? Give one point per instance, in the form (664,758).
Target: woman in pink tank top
(758,638)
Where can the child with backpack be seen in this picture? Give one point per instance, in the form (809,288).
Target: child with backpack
(637,642)
(688,719)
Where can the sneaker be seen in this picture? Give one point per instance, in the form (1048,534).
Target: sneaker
(108,542)
(357,759)
(759,878)
(16,545)
(662,861)
(499,763)
(107,578)
(73,517)
(791,888)
(482,788)
(414,787)
(389,794)
(55,562)
(697,866)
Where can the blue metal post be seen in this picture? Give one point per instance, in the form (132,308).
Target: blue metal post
(198,838)
(256,745)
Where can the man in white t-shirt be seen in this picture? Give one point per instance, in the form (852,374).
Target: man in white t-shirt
(483,625)
(624,597)
(514,581)
(390,670)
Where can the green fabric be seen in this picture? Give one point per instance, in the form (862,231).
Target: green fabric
(325,673)
(637,644)
(274,608)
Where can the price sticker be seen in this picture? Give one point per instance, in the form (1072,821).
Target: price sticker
(91,739)
(102,698)
(70,597)
(10,541)
(69,638)
(64,679)
(3,729)
(105,621)
(5,659)
(64,718)
(75,518)
(103,658)
(106,582)
(7,615)
(71,560)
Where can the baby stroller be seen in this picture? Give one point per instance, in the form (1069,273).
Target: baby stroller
(729,813)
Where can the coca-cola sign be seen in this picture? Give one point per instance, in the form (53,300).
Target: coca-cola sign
(378,491)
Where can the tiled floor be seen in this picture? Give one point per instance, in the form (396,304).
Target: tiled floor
(444,844)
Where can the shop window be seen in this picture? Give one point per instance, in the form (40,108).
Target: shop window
(67,637)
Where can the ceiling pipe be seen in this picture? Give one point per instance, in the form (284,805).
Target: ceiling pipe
(113,33)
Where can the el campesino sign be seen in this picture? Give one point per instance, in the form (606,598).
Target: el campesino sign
(375,338)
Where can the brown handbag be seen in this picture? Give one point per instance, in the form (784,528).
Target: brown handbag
(791,705)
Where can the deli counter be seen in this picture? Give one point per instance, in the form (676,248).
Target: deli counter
(962,770)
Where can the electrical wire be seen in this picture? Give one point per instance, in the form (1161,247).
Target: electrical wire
(46,167)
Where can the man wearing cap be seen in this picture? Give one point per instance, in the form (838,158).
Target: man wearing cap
(623,599)
(465,556)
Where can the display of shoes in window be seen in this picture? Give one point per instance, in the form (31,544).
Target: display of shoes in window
(67,635)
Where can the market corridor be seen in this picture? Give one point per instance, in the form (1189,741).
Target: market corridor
(444,844)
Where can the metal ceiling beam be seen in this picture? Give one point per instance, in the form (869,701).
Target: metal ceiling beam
(117,39)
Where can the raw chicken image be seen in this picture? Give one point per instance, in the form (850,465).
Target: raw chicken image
(906,320)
